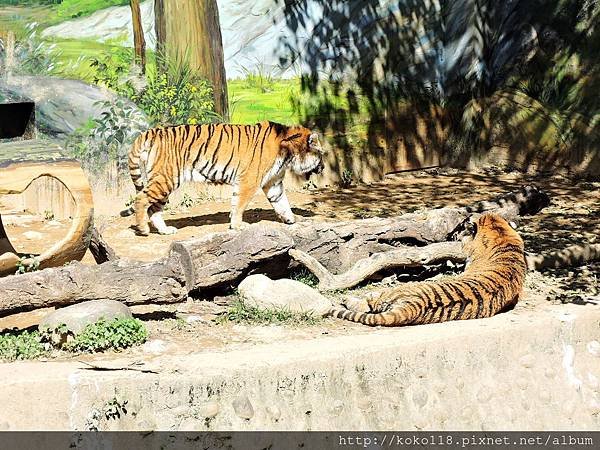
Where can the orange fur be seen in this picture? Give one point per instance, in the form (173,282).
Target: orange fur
(249,157)
(492,282)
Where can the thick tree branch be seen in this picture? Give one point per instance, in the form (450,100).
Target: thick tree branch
(365,268)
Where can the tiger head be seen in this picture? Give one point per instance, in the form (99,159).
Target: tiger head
(304,151)
(486,234)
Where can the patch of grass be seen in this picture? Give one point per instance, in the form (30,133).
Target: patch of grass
(303,275)
(21,345)
(239,312)
(251,104)
(103,335)
(69,9)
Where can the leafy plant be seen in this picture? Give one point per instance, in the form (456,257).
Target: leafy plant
(107,139)
(27,264)
(260,78)
(175,94)
(187,201)
(21,345)
(103,335)
(34,56)
(115,408)
(239,312)
(303,275)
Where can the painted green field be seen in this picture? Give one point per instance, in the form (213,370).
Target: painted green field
(255,98)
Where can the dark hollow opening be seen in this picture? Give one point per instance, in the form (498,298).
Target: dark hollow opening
(16,119)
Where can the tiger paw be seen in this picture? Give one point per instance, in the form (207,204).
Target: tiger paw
(289,220)
(239,226)
(168,230)
(142,231)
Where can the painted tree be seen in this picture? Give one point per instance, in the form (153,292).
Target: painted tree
(138,34)
(189,30)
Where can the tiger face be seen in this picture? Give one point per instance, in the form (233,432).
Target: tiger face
(304,151)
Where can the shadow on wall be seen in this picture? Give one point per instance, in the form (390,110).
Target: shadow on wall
(406,84)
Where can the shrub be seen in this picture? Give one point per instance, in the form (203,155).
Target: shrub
(106,140)
(20,345)
(104,335)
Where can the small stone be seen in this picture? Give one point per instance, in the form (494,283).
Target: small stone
(550,372)
(337,407)
(77,317)
(262,292)
(209,410)
(593,347)
(274,412)
(33,235)
(155,346)
(243,408)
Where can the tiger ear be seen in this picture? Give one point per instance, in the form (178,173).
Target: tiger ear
(294,142)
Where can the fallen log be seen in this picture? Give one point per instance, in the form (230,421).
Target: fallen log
(363,269)
(338,245)
(217,262)
(100,250)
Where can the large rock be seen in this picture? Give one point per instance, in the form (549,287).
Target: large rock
(62,105)
(77,317)
(262,292)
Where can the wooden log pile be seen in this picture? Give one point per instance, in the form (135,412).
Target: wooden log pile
(217,262)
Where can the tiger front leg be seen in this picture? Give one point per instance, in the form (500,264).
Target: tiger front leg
(141,214)
(276,195)
(158,221)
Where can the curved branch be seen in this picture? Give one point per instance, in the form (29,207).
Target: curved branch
(367,267)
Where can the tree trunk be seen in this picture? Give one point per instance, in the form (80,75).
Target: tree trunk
(138,35)
(189,31)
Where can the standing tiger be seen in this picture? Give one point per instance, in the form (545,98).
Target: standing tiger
(492,282)
(249,157)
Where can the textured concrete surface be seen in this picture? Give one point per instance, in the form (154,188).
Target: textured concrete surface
(528,370)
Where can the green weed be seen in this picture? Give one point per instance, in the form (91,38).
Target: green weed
(239,312)
(104,335)
(21,345)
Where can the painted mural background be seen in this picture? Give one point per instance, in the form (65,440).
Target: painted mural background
(392,84)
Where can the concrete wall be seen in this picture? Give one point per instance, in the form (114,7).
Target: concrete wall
(523,370)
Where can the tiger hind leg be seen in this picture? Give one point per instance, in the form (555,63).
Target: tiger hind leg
(242,194)
(151,202)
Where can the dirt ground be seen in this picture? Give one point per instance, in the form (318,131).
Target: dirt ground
(572,218)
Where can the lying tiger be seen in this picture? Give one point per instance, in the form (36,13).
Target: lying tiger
(492,282)
(249,157)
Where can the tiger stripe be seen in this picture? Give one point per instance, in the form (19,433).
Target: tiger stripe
(491,283)
(248,157)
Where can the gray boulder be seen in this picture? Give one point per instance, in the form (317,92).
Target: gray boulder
(77,317)
(62,105)
(261,292)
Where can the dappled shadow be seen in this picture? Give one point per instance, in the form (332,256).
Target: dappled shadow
(405,84)
(250,216)
(573,217)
